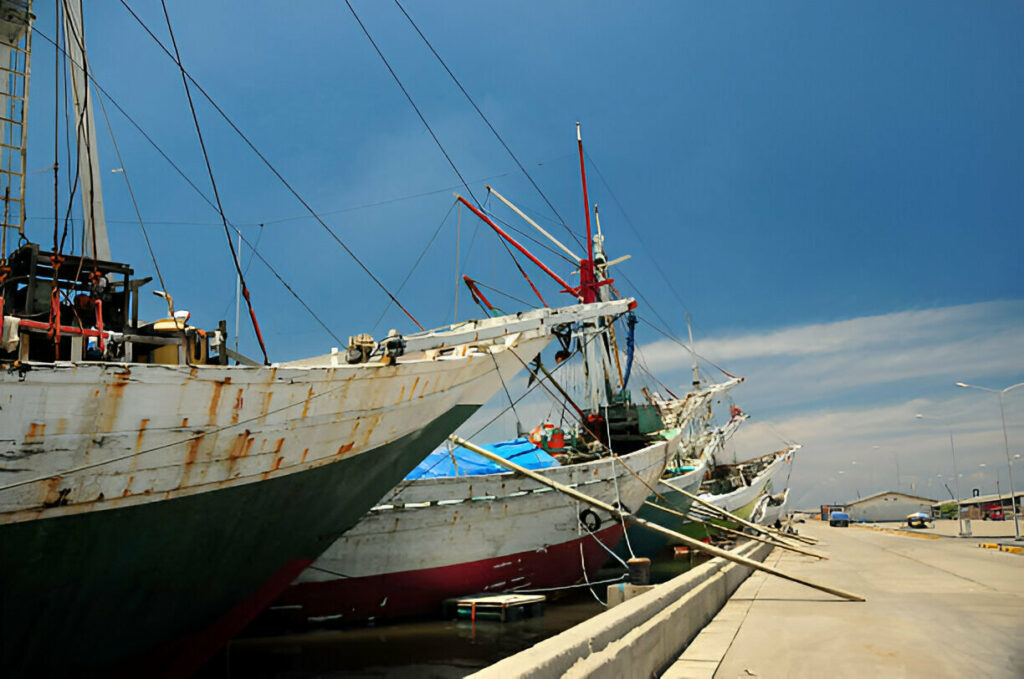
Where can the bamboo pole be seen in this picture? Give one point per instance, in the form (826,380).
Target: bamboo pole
(730,515)
(534,224)
(685,539)
(730,531)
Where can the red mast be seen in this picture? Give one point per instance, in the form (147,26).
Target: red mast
(587,287)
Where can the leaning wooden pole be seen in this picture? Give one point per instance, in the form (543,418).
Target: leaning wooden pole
(685,539)
(730,531)
(730,515)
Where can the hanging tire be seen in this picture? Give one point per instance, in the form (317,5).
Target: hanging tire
(590,520)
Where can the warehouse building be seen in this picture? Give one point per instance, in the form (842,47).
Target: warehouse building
(888,506)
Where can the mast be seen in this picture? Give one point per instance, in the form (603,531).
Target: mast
(587,266)
(15,58)
(94,238)
(693,351)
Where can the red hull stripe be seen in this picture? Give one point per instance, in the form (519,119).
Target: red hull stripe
(420,592)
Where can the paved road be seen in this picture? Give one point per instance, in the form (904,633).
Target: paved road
(935,607)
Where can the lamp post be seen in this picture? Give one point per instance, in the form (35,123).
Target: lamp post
(956,480)
(1006,442)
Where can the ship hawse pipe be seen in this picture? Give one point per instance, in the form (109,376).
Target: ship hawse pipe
(685,539)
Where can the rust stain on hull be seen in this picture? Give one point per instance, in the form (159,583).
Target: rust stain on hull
(305,406)
(242,445)
(142,433)
(36,432)
(215,401)
(345,448)
(239,403)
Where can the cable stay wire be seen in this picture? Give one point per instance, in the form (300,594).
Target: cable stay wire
(423,253)
(293,218)
(505,294)
(135,204)
(686,347)
(275,172)
(636,232)
(213,183)
(106,94)
(426,124)
(528,235)
(488,123)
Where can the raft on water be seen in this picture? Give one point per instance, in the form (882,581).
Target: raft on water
(501,607)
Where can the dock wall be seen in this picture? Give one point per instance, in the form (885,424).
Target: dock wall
(639,637)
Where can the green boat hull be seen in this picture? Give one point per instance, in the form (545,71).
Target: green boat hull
(155,589)
(644,542)
(702,532)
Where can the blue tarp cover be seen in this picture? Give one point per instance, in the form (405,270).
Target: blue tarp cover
(439,463)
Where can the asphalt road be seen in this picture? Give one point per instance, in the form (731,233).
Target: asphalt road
(939,607)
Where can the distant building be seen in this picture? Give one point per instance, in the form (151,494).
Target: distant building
(888,506)
(985,506)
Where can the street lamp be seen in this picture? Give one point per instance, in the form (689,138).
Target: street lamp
(956,479)
(1006,442)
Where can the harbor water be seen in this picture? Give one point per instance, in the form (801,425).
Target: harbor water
(420,648)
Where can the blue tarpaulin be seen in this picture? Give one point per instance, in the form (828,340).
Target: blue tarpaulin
(439,464)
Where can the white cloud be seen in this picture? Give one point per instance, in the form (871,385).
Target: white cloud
(848,391)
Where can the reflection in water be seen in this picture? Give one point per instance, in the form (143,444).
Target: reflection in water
(425,648)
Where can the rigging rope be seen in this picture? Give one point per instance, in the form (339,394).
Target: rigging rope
(688,348)
(419,259)
(195,188)
(213,183)
(488,123)
(430,130)
(275,172)
(138,212)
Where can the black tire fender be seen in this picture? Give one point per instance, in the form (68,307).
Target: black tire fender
(590,520)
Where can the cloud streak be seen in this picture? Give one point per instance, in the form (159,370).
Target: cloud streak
(849,392)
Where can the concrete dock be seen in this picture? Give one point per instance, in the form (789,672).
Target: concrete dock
(937,606)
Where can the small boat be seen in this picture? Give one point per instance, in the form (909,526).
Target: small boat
(771,509)
(737,488)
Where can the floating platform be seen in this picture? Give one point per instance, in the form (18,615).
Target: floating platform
(501,607)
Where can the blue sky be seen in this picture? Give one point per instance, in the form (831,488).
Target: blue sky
(795,170)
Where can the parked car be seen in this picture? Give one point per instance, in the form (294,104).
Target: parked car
(918,520)
(841,519)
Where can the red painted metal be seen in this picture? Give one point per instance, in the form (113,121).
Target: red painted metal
(39,325)
(421,592)
(587,266)
(475,291)
(486,220)
(99,326)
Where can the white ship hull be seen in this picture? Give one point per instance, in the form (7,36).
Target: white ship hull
(445,537)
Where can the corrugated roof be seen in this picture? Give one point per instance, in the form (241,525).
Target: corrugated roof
(889,492)
(981,499)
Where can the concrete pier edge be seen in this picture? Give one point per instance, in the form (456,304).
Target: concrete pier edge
(639,637)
